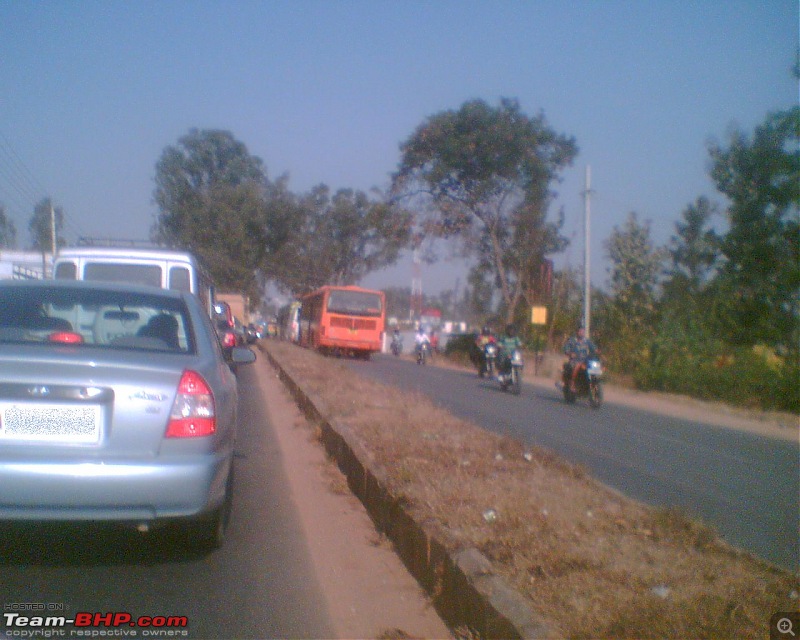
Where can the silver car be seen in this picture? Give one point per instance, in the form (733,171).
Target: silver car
(116,404)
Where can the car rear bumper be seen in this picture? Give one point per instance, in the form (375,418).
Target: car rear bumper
(117,491)
(355,345)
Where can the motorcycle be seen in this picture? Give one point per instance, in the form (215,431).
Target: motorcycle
(489,363)
(512,378)
(588,382)
(397,345)
(423,352)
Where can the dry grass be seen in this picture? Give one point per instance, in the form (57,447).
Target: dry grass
(594,564)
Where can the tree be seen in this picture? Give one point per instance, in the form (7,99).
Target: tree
(231,237)
(210,193)
(41,226)
(687,308)
(760,274)
(635,269)
(567,299)
(694,250)
(285,216)
(340,238)
(486,174)
(8,232)
(480,293)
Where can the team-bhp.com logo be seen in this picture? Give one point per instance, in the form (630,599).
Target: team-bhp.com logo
(88,624)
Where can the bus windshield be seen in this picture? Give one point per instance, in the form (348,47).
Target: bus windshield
(354,303)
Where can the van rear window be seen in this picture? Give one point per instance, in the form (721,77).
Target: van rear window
(179,279)
(116,272)
(66,271)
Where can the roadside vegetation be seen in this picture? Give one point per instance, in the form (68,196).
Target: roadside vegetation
(714,313)
(591,562)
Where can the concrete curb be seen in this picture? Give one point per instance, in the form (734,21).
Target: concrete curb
(462,584)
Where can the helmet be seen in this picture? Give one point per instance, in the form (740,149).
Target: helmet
(486,331)
(511,330)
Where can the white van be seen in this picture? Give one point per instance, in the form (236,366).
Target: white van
(163,268)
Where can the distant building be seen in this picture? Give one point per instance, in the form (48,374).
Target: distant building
(24,265)
(431,318)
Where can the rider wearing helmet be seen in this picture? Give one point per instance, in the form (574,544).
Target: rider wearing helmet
(508,344)
(578,349)
(421,338)
(485,337)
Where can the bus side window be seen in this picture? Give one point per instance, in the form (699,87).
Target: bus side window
(66,271)
(179,279)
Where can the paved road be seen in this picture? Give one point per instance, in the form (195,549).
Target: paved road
(744,485)
(259,585)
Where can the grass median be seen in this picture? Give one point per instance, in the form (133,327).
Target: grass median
(592,563)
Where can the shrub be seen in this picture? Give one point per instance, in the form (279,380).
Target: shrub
(715,371)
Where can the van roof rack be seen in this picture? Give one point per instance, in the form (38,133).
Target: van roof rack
(85,241)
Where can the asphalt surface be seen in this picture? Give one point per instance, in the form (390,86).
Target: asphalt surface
(745,486)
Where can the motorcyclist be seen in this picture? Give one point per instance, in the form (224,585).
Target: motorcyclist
(485,337)
(508,343)
(578,349)
(421,339)
(397,339)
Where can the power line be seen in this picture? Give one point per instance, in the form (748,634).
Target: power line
(20,190)
(17,170)
(15,192)
(18,186)
(19,165)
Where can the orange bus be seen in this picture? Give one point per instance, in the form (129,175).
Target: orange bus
(343,320)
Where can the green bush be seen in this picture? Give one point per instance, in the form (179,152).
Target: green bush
(740,376)
(684,355)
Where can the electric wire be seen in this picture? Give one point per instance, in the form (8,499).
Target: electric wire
(21,192)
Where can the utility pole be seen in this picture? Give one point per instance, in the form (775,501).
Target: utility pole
(52,236)
(587,279)
(416,286)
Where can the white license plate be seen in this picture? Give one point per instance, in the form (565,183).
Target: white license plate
(66,423)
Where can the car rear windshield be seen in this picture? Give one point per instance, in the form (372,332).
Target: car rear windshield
(95,317)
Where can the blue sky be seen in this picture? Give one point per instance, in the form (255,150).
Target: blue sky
(92,93)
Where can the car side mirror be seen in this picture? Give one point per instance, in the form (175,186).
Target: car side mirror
(242,355)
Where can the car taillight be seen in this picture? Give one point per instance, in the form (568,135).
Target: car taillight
(66,337)
(192,414)
(228,339)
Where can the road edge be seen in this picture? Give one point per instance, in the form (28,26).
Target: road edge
(462,585)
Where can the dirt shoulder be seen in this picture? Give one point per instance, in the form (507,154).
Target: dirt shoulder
(770,425)
(590,563)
